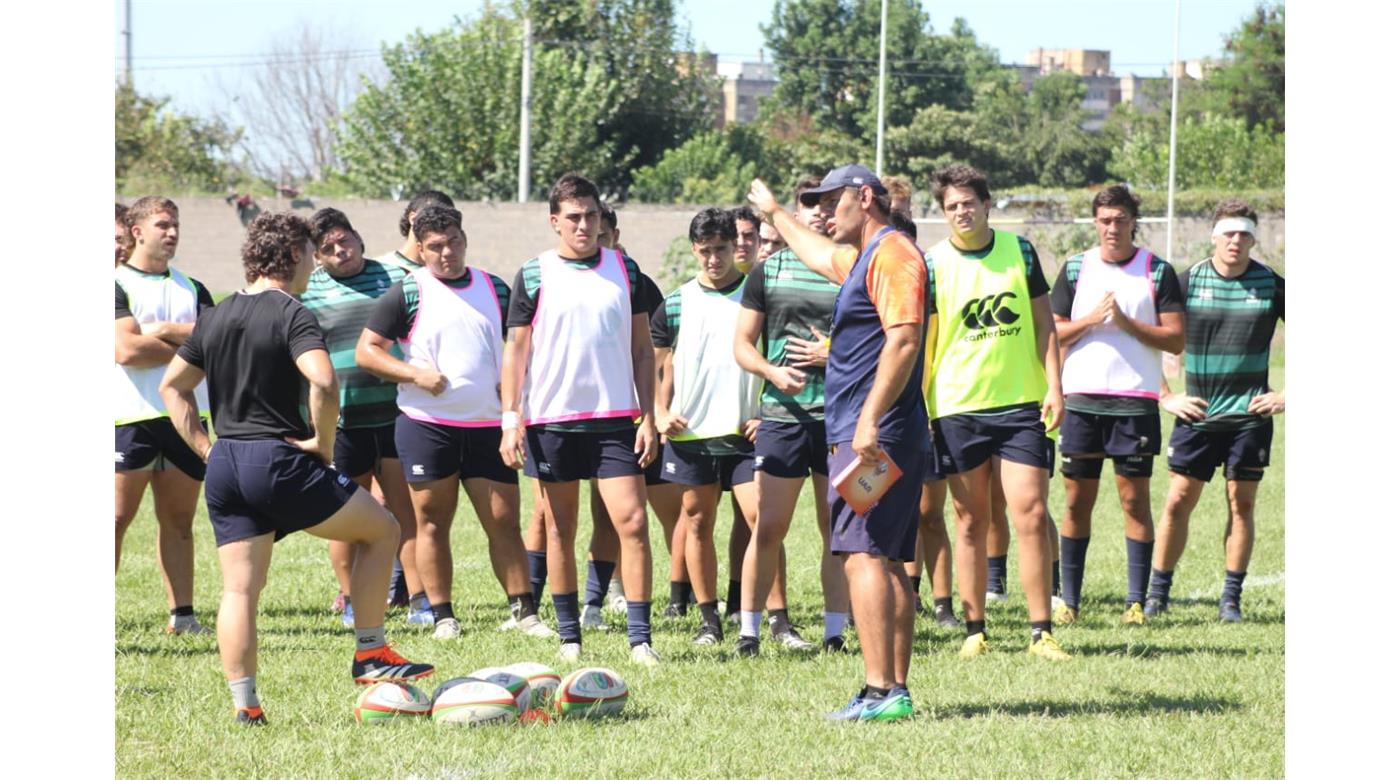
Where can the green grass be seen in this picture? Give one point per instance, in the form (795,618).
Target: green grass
(1184,696)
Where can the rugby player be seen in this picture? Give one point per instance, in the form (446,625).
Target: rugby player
(1225,417)
(578,357)
(1117,308)
(268,472)
(745,255)
(341,294)
(406,257)
(770,241)
(706,405)
(123,235)
(873,407)
(788,307)
(449,318)
(156,311)
(993,392)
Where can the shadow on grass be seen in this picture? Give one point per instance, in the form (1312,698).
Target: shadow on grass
(1128,704)
(168,650)
(1148,651)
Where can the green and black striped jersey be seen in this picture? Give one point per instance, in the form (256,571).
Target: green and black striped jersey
(793,300)
(1229,327)
(342,307)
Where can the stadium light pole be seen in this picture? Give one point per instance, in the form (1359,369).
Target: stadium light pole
(880,103)
(126,35)
(1171,151)
(522,186)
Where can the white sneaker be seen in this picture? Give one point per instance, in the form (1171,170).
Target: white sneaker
(616,600)
(508,625)
(592,618)
(187,624)
(533,626)
(447,628)
(644,655)
(794,641)
(993,596)
(569,652)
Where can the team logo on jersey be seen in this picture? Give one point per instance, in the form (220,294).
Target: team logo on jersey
(988,314)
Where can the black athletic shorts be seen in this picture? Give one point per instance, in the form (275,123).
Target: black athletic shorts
(933,470)
(963,442)
(269,486)
(431,451)
(790,449)
(1131,440)
(558,456)
(1244,453)
(693,468)
(653,473)
(153,445)
(890,529)
(359,450)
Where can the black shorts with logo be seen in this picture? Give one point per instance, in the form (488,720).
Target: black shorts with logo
(890,528)
(153,445)
(962,442)
(569,456)
(359,450)
(791,449)
(684,467)
(431,451)
(1130,440)
(269,486)
(1244,453)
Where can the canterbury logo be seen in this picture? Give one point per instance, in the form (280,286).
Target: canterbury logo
(988,312)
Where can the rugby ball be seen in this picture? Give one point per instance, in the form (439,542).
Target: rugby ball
(590,693)
(543,681)
(509,680)
(448,684)
(387,700)
(475,703)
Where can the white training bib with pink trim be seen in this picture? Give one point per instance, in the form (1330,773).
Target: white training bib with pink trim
(581,350)
(458,332)
(1106,360)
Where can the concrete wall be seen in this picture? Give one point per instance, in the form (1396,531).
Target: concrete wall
(501,236)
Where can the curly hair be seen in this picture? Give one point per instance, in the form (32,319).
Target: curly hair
(421,201)
(436,219)
(326,220)
(272,247)
(127,242)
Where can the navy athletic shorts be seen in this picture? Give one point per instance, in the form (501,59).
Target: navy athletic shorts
(430,451)
(1244,452)
(790,449)
(269,486)
(559,456)
(1130,440)
(962,442)
(359,450)
(153,445)
(891,528)
(933,470)
(684,467)
(653,473)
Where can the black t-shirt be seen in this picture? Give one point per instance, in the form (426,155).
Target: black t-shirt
(247,347)
(651,295)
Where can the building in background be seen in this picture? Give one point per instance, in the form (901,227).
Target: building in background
(1104,90)
(745,84)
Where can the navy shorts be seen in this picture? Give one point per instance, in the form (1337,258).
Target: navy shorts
(1244,453)
(560,456)
(268,486)
(962,442)
(153,445)
(933,470)
(684,467)
(429,452)
(790,449)
(1130,440)
(359,450)
(653,473)
(891,528)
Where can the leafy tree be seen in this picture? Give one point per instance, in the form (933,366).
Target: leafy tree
(159,149)
(1212,152)
(1249,84)
(713,167)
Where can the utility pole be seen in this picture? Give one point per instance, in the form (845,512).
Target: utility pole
(522,190)
(1171,153)
(126,34)
(880,107)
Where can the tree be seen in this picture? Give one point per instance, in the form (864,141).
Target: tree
(161,150)
(1249,84)
(712,167)
(1212,152)
(609,94)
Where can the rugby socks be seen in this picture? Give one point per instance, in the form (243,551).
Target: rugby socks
(566,615)
(748,623)
(680,596)
(1039,627)
(1234,585)
(945,603)
(1055,577)
(1161,585)
(777,621)
(245,693)
(914,585)
(1139,565)
(369,638)
(731,601)
(185,611)
(996,573)
(709,613)
(1072,555)
(522,605)
(835,624)
(539,572)
(440,611)
(638,623)
(976,627)
(875,694)
(599,575)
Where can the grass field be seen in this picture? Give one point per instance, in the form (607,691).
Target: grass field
(1184,696)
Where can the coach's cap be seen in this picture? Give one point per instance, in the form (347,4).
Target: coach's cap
(853,175)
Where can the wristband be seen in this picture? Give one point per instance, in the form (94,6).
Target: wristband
(510,421)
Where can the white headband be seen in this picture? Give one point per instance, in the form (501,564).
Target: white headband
(1233,225)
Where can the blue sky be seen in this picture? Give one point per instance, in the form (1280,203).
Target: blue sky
(184,48)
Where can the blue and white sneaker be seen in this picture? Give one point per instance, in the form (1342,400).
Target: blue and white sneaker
(852,710)
(419,613)
(347,618)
